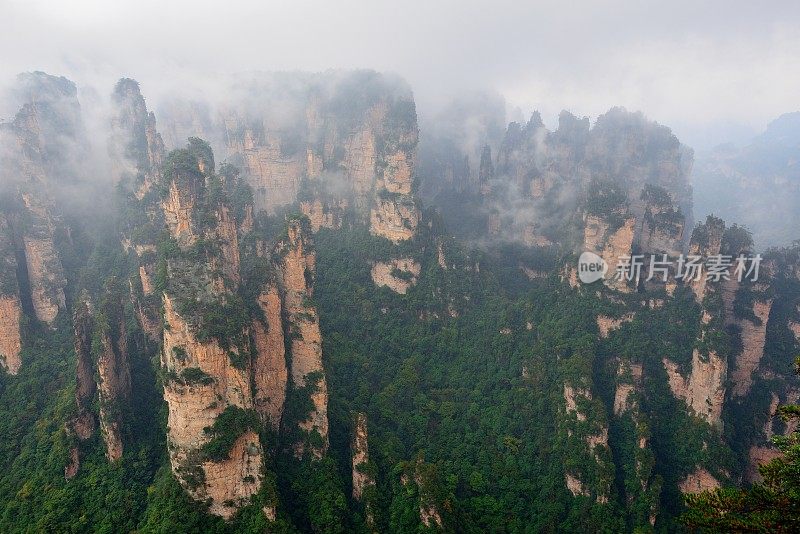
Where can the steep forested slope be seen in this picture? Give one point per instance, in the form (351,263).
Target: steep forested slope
(265,331)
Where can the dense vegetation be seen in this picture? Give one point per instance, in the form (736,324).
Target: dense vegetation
(462,381)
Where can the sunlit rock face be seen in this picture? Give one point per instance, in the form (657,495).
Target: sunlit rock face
(207,376)
(611,242)
(704,388)
(297,272)
(336,142)
(269,367)
(698,481)
(195,402)
(398,275)
(10,304)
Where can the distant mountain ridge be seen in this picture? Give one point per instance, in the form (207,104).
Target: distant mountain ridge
(758,185)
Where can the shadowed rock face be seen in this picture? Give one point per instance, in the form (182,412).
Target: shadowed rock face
(545,187)
(102,370)
(84,424)
(137,156)
(113,369)
(42,153)
(136,147)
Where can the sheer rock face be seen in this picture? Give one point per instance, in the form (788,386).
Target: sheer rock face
(360,451)
(71,469)
(660,229)
(324,215)
(10,341)
(706,241)
(269,368)
(540,176)
(752,333)
(398,275)
(229,484)
(46,278)
(360,457)
(136,147)
(195,404)
(226,234)
(10,305)
(137,154)
(274,175)
(205,375)
(114,385)
(704,389)
(753,338)
(330,139)
(698,481)
(622,398)
(44,268)
(396,221)
(105,373)
(178,208)
(758,456)
(84,424)
(575,486)
(42,151)
(297,273)
(610,244)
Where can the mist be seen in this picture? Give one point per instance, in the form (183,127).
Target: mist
(685,65)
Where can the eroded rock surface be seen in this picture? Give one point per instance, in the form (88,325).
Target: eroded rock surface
(398,275)
(297,272)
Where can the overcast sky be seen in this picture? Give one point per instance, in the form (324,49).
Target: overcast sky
(712,71)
